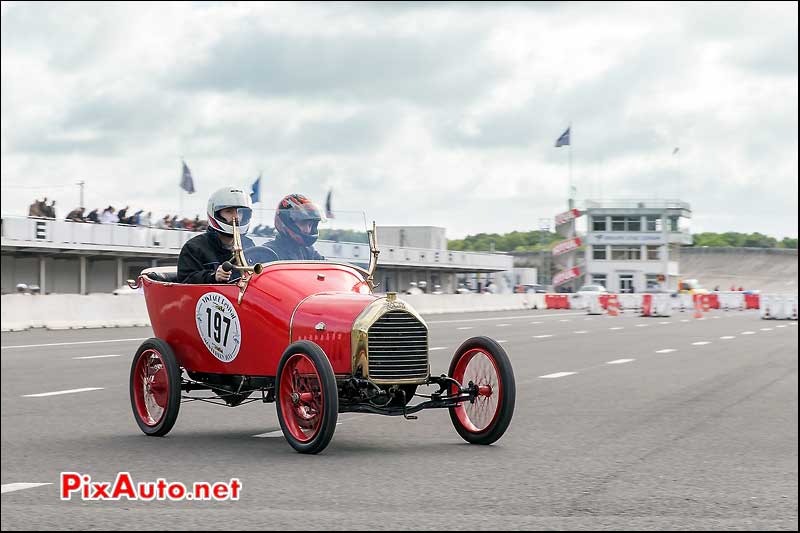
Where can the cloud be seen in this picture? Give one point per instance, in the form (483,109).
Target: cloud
(437,113)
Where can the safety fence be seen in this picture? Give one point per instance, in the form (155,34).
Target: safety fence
(68,311)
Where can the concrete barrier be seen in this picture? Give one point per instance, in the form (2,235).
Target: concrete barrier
(72,311)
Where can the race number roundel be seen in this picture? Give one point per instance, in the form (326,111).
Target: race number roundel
(218,325)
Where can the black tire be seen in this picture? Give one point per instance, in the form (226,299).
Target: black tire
(170,381)
(325,425)
(507,387)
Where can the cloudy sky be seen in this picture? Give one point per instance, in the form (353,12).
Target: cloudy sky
(422,114)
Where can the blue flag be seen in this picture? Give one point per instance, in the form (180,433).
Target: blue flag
(187,183)
(255,195)
(564,139)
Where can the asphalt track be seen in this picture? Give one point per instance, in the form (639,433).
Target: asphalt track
(693,426)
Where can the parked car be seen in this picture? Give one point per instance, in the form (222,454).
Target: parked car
(592,289)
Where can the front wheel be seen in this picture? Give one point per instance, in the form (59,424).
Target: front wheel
(155,387)
(483,363)
(307,398)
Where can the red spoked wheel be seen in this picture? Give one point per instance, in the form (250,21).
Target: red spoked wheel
(155,387)
(307,397)
(482,362)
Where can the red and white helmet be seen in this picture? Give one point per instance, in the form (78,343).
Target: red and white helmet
(229,197)
(297,208)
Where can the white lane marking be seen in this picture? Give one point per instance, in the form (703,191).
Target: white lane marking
(666,350)
(11,487)
(96,356)
(701,343)
(748,333)
(684,320)
(766,329)
(557,375)
(502,342)
(70,343)
(277,433)
(501,318)
(642,325)
(541,336)
(618,327)
(502,325)
(620,361)
(464,327)
(727,337)
(438,348)
(665,322)
(56,393)
(534,323)
(564,320)
(581,332)
(792,323)
(715,317)
(588,318)
(781,326)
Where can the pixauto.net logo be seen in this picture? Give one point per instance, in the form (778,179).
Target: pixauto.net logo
(81,486)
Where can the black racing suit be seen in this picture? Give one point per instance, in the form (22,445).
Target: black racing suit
(201,256)
(285,249)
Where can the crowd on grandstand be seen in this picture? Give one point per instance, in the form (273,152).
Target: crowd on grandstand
(109,215)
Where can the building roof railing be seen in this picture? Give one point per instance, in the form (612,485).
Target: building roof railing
(635,203)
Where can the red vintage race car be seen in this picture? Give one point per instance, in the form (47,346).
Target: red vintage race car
(315,339)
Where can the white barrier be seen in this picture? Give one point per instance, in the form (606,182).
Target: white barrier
(779,307)
(594,307)
(662,305)
(731,300)
(71,311)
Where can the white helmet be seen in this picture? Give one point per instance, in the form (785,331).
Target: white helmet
(229,197)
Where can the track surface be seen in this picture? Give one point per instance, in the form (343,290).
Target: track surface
(701,437)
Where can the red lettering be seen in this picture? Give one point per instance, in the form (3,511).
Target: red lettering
(162,487)
(100,490)
(176,491)
(235,486)
(123,486)
(220,491)
(147,491)
(70,482)
(202,491)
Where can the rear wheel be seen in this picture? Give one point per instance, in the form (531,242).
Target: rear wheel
(307,397)
(482,362)
(155,387)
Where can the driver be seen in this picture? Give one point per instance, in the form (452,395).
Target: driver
(296,222)
(201,257)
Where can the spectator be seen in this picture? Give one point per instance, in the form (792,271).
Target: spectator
(174,222)
(122,214)
(76,215)
(51,210)
(108,216)
(35,209)
(146,219)
(93,216)
(733,288)
(741,289)
(163,223)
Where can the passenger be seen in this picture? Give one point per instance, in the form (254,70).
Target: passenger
(201,257)
(296,221)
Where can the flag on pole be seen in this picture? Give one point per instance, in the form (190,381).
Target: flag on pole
(675,151)
(255,194)
(564,139)
(328,210)
(187,182)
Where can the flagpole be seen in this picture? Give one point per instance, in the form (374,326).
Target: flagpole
(570,199)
